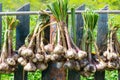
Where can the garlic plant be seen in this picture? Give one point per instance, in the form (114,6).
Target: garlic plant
(32,54)
(90,21)
(8,56)
(112,53)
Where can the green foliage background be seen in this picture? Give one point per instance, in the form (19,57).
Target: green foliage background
(10,5)
(36,5)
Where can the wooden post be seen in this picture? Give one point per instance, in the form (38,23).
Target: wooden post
(118,74)
(52,72)
(22,31)
(102,39)
(72,74)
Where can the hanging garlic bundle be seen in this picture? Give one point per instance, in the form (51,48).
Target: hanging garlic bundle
(8,56)
(32,55)
(112,53)
(65,46)
(98,61)
(4,53)
(90,20)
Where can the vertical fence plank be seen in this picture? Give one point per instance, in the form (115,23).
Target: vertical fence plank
(52,72)
(22,31)
(72,74)
(46,73)
(79,25)
(118,74)
(102,39)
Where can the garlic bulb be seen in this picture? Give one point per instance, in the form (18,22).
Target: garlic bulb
(27,52)
(48,48)
(80,55)
(30,67)
(11,61)
(59,49)
(70,53)
(90,68)
(39,57)
(42,66)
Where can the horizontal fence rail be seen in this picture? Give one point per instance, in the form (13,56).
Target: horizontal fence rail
(49,12)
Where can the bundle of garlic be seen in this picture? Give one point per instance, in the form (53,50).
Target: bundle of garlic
(65,48)
(36,55)
(8,61)
(88,65)
(112,54)
(32,54)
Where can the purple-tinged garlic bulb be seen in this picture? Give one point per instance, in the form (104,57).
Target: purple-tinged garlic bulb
(42,66)
(106,53)
(90,68)
(112,56)
(15,56)
(68,64)
(30,67)
(4,66)
(59,49)
(21,48)
(34,60)
(101,65)
(11,61)
(27,52)
(22,61)
(76,65)
(83,62)
(112,65)
(80,55)
(54,57)
(39,57)
(70,53)
(48,48)
(47,58)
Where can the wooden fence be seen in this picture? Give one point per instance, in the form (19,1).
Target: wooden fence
(52,73)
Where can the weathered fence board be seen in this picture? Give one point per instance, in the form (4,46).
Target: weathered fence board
(22,31)
(102,39)
(72,74)
(52,72)
(119,74)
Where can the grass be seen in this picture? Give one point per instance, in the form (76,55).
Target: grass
(109,75)
(35,75)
